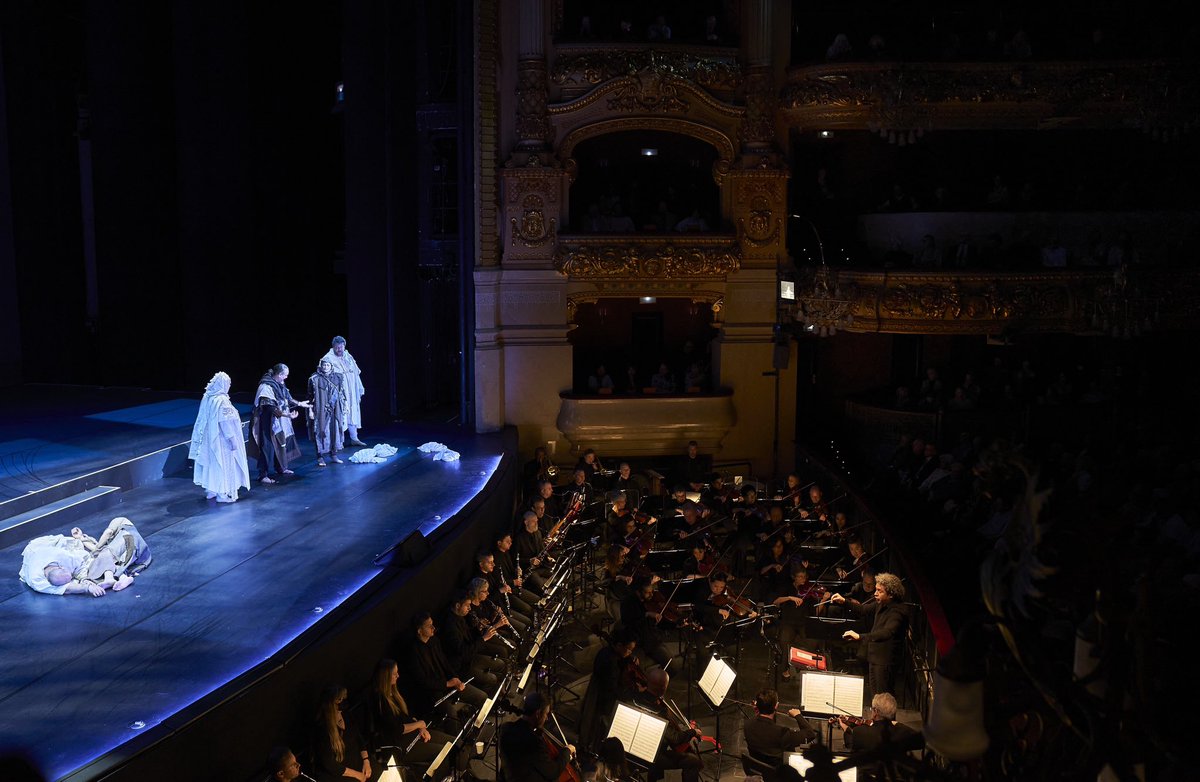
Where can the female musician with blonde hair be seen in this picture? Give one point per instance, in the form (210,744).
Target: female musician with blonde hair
(337,750)
(390,723)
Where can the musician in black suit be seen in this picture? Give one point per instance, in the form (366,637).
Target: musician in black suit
(882,730)
(766,739)
(883,642)
(676,750)
(527,753)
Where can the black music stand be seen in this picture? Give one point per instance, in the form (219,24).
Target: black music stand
(713,685)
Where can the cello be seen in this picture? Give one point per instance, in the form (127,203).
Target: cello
(571,771)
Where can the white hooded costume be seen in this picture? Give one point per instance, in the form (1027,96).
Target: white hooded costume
(218,448)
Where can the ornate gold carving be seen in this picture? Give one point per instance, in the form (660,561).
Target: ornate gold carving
(522,185)
(988,303)
(531,229)
(533,122)
(761,228)
(918,95)
(601,260)
(648,92)
(601,65)
(759,125)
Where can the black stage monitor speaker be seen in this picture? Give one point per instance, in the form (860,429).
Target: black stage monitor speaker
(408,552)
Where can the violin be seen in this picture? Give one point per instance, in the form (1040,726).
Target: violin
(660,604)
(850,722)
(741,607)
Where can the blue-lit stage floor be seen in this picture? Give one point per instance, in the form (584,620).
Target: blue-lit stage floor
(229,587)
(49,434)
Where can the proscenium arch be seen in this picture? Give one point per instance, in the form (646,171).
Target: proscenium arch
(715,138)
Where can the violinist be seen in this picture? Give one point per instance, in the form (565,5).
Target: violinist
(774,568)
(634,539)
(529,755)
(838,528)
(815,507)
(702,560)
(797,603)
(720,606)
(718,495)
(677,749)
(617,511)
(870,734)
(777,526)
(676,501)
(687,524)
(616,675)
(767,740)
(620,571)
(644,620)
(748,523)
(858,558)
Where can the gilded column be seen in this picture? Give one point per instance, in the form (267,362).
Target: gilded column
(758,129)
(533,121)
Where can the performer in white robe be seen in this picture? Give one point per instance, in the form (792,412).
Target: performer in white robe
(218,448)
(345,365)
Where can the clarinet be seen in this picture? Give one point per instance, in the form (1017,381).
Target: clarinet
(504,583)
(484,626)
(520,573)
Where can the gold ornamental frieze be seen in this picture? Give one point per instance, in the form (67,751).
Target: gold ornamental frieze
(1003,94)
(594,67)
(606,260)
(988,303)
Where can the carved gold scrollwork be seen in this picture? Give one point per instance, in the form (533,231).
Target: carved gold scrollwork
(531,229)
(640,261)
(648,92)
(597,67)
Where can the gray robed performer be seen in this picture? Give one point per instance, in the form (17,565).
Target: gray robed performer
(345,365)
(327,415)
(273,437)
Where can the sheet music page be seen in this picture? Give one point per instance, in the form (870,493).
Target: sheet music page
(648,738)
(391,773)
(717,679)
(848,693)
(624,725)
(483,712)
(640,733)
(816,690)
(441,756)
(803,764)
(709,679)
(724,683)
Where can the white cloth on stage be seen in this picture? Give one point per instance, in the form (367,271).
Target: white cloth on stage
(379,453)
(352,382)
(441,452)
(218,448)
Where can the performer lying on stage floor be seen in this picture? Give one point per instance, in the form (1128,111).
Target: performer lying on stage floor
(82,565)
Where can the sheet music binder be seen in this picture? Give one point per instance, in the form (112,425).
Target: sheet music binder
(817,690)
(802,764)
(641,732)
